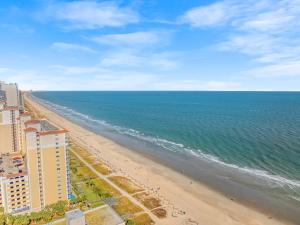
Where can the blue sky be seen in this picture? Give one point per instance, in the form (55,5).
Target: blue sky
(151,44)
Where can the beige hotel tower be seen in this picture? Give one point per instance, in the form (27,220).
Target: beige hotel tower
(46,153)
(33,158)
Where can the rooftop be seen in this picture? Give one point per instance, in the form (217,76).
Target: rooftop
(106,215)
(46,126)
(12,165)
(74,214)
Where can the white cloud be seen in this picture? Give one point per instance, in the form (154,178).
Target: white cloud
(71,47)
(128,80)
(211,15)
(91,14)
(128,39)
(77,70)
(288,69)
(27,79)
(198,85)
(266,30)
(18,29)
(139,59)
(104,79)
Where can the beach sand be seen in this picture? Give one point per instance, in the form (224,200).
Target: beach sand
(189,202)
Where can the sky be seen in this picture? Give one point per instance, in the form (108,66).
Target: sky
(247,45)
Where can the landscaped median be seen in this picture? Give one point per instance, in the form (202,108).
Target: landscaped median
(92,190)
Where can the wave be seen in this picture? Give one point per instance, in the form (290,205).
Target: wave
(173,146)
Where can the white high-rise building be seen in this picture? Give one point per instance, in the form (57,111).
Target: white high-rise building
(12,94)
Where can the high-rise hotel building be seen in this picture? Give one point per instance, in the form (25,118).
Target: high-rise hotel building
(33,158)
(14,184)
(13,95)
(47,163)
(9,127)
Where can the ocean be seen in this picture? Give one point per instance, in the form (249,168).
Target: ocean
(251,140)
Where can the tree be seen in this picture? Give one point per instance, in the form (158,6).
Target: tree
(59,208)
(21,220)
(46,215)
(130,222)
(2,220)
(36,216)
(10,219)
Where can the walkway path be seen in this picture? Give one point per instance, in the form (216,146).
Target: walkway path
(124,193)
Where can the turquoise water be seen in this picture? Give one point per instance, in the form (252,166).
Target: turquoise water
(253,133)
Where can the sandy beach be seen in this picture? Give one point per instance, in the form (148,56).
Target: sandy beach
(190,202)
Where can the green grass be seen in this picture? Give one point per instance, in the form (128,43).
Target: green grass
(142,219)
(149,201)
(90,195)
(60,223)
(93,218)
(126,184)
(101,168)
(103,185)
(125,206)
(86,172)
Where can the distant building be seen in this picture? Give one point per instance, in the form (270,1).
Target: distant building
(2,98)
(47,161)
(24,117)
(14,184)
(9,129)
(12,94)
(75,217)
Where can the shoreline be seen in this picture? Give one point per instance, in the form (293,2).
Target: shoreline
(200,202)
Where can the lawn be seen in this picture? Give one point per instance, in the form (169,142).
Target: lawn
(126,184)
(149,201)
(60,223)
(101,184)
(143,219)
(125,207)
(102,216)
(86,172)
(92,197)
(101,168)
